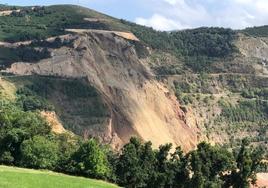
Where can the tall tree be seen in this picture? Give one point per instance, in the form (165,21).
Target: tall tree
(91,160)
(135,165)
(247,161)
(39,152)
(207,164)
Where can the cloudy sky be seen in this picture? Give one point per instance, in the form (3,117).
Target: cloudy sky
(175,14)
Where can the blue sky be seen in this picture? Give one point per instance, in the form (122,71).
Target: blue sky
(175,14)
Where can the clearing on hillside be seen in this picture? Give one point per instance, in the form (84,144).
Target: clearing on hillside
(11,177)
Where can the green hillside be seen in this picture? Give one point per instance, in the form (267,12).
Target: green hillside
(24,178)
(43,22)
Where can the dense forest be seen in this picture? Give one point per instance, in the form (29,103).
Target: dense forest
(199,48)
(209,42)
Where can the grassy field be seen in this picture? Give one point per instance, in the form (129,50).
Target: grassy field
(11,177)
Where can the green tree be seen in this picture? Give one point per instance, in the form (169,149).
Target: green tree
(164,176)
(15,127)
(135,165)
(68,145)
(91,160)
(207,164)
(39,152)
(247,162)
(179,166)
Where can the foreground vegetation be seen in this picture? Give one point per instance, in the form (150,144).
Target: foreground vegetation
(11,177)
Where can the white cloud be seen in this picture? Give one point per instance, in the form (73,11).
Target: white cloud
(159,22)
(180,14)
(172,2)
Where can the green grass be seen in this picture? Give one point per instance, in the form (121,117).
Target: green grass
(11,177)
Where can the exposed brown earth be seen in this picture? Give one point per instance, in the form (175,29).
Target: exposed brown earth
(95,19)
(7,12)
(262,180)
(125,35)
(139,104)
(8,90)
(54,122)
(253,47)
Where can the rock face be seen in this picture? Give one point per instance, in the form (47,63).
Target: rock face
(253,47)
(139,105)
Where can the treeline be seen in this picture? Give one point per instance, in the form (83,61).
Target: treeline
(26,140)
(209,42)
(199,46)
(33,11)
(261,31)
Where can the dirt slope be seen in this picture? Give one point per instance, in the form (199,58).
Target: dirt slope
(7,90)
(253,47)
(54,122)
(139,105)
(7,12)
(262,180)
(125,35)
